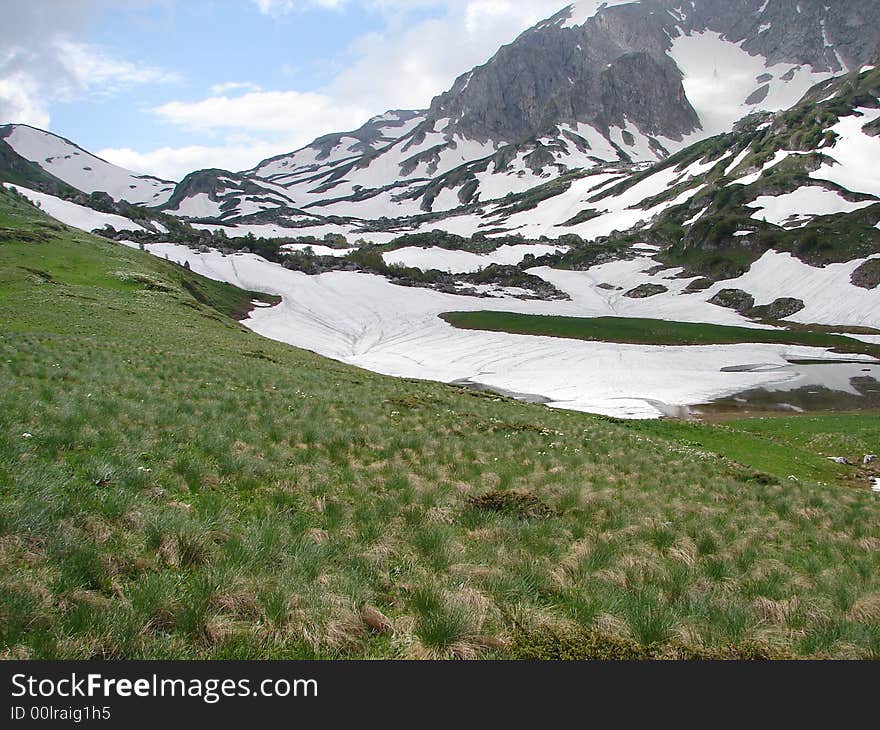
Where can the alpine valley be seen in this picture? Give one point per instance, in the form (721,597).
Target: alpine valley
(625,276)
(709,162)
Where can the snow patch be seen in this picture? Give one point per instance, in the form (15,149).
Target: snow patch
(719,77)
(461,262)
(580,12)
(75,215)
(855,153)
(84,171)
(793,210)
(828,293)
(366,321)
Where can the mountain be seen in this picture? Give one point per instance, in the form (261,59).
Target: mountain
(568,129)
(596,85)
(47,160)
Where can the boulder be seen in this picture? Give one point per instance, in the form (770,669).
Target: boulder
(779,309)
(646,290)
(698,285)
(867,276)
(735,299)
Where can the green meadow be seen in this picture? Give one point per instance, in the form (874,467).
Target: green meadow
(635,331)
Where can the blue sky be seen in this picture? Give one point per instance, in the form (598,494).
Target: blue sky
(170,86)
(208,43)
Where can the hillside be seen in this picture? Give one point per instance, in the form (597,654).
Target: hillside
(551,136)
(173,485)
(55,158)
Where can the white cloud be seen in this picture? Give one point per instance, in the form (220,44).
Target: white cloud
(92,70)
(228,86)
(275,7)
(265,111)
(19,101)
(251,127)
(41,63)
(410,63)
(174,163)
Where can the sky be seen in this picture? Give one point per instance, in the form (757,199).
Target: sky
(167,87)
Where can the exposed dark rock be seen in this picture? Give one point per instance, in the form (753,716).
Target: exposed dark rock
(780,309)
(735,299)
(611,70)
(792,32)
(758,95)
(615,65)
(698,285)
(582,217)
(867,276)
(654,270)
(646,290)
(539,159)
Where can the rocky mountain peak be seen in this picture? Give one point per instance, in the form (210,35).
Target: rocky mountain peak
(611,69)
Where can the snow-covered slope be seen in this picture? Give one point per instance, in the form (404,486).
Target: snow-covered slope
(598,85)
(75,215)
(828,293)
(366,321)
(82,170)
(724,82)
(464,261)
(853,159)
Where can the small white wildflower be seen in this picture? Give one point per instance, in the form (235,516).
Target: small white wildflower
(27,435)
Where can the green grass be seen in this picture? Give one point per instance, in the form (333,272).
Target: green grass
(787,447)
(174,486)
(647,331)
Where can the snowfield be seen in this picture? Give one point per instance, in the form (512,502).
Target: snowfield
(464,262)
(855,155)
(198,206)
(364,320)
(75,215)
(85,171)
(828,293)
(795,209)
(720,80)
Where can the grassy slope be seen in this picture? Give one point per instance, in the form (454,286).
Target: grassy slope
(648,331)
(786,446)
(188,489)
